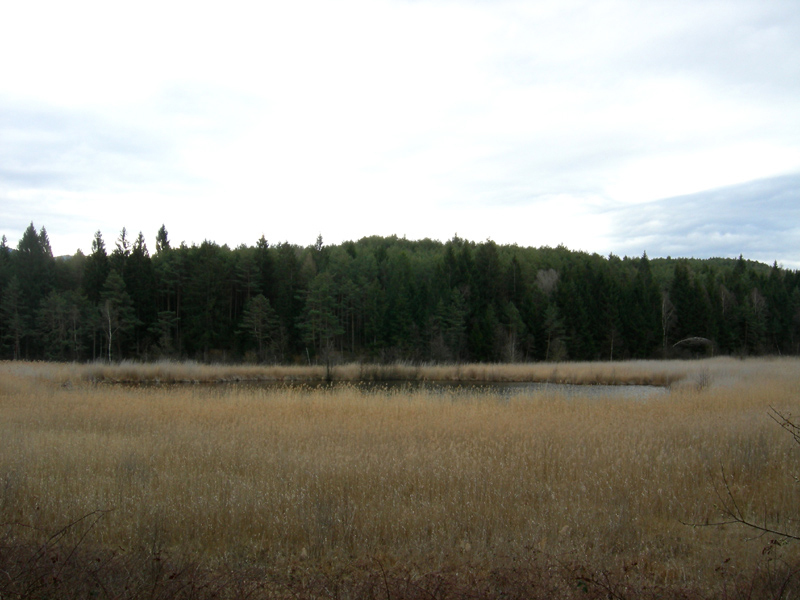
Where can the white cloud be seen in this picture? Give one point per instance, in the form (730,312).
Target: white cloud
(513,120)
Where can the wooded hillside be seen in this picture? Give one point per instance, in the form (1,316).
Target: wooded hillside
(383,299)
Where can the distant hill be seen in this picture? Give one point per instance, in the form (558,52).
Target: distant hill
(383,299)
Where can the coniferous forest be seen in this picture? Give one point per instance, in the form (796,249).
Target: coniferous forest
(383,299)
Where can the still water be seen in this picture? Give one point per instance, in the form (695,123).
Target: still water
(501,389)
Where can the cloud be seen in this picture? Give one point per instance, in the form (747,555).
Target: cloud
(509,119)
(759,219)
(43,147)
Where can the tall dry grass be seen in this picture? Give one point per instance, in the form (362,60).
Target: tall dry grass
(660,373)
(251,476)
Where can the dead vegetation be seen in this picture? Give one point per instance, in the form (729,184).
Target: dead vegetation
(659,373)
(200,492)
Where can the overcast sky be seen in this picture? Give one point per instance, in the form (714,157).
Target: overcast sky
(623,126)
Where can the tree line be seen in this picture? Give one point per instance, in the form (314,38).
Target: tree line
(382,299)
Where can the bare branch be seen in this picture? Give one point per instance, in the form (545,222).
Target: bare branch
(734,515)
(787,423)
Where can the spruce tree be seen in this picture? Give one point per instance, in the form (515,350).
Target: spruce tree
(12,324)
(96,269)
(140,281)
(320,324)
(162,240)
(261,325)
(117,314)
(33,265)
(119,257)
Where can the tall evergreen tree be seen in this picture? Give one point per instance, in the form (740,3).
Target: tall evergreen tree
(96,269)
(14,328)
(286,293)
(643,317)
(205,307)
(756,315)
(119,257)
(398,326)
(5,258)
(63,324)
(264,264)
(668,319)
(247,274)
(117,314)
(162,240)
(449,328)
(556,348)
(261,325)
(33,266)
(320,324)
(44,243)
(692,310)
(779,313)
(140,281)
(794,335)
(53,326)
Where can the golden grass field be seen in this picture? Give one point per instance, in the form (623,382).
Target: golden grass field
(349,492)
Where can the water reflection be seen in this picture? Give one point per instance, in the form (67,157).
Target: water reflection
(501,389)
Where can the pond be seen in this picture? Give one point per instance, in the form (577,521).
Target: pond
(508,389)
(488,388)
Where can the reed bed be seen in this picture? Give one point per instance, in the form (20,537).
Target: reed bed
(659,373)
(418,482)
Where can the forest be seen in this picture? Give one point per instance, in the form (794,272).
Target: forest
(383,299)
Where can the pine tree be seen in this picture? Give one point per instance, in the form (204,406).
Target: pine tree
(265,265)
(515,342)
(119,257)
(204,316)
(53,326)
(247,274)
(641,317)
(62,324)
(96,269)
(14,327)
(33,265)
(117,314)
(320,324)
(162,240)
(44,243)
(170,271)
(286,294)
(756,314)
(5,263)
(556,349)
(163,332)
(449,327)
(140,280)
(692,308)
(794,306)
(260,323)
(779,317)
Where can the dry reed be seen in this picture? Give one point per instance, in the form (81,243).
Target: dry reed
(660,373)
(247,476)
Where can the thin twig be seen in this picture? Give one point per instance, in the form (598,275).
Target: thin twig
(385,580)
(730,507)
